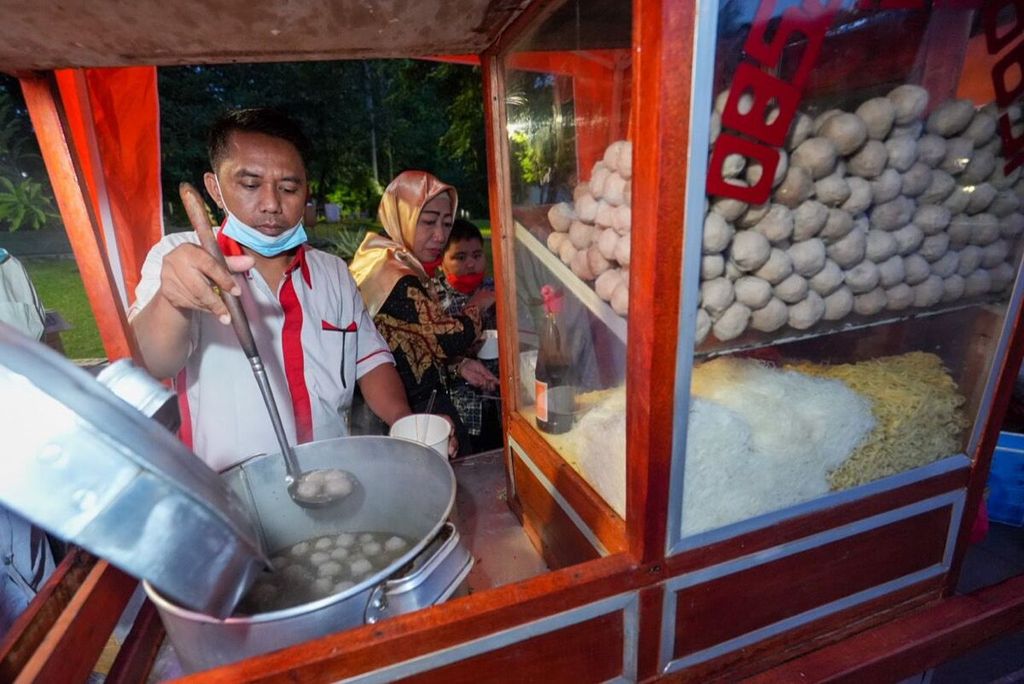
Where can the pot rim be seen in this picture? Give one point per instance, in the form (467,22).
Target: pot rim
(380,577)
(163,603)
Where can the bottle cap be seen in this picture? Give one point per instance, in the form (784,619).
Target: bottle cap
(552,299)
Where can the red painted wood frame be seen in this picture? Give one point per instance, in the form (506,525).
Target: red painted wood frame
(913,643)
(664,30)
(502,242)
(78,627)
(660,112)
(50,124)
(648,460)
(458,622)
(31,627)
(663,53)
(660,108)
(72,646)
(587,505)
(724,617)
(1006,370)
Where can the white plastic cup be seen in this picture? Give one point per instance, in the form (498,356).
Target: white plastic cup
(425,428)
(489,349)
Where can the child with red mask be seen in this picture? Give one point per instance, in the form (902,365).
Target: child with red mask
(463,265)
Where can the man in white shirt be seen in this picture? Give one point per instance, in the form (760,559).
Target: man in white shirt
(307,316)
(26,559)
(19,304)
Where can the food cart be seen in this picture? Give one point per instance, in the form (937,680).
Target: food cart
(787,242)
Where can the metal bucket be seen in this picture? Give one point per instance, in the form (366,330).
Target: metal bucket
(404,488)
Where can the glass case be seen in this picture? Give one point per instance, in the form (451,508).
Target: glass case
(567,109)
(851,253)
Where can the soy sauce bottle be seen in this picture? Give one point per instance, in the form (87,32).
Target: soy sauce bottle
(555,383)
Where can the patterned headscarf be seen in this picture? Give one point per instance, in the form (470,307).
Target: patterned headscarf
(380,261)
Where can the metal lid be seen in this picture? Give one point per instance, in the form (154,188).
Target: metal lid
(89,467)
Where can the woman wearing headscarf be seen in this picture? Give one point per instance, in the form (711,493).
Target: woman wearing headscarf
(395,275)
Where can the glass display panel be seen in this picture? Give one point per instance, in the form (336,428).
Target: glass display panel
(567,104)
(859,248)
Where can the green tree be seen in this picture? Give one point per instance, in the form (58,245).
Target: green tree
(433,120)
(541,136)
(26,199)
(24,204)
(463,144)
(367,121)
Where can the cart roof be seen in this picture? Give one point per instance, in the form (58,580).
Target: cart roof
(48,34)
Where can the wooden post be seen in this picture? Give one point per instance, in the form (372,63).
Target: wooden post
(1007,373)
(32,626)
(75,628)
(48,121)
(74,643)
(502,240)
(663,35)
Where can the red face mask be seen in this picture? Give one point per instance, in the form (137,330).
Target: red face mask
(466,284)
(431,266)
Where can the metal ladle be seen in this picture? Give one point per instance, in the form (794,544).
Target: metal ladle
(306,489)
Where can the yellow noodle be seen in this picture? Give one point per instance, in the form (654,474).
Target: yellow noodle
(918,409)
(916,404)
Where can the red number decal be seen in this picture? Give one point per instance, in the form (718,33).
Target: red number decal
(766,90)
(1012,146)
(727,144)
(1014,58)
(990,20)
(809,21)
(1012,164)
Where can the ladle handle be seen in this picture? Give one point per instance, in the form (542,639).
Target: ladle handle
(195,208)
(290,462)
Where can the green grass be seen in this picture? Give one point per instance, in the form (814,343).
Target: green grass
(59,285)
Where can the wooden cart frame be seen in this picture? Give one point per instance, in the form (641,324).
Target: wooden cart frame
(627,603)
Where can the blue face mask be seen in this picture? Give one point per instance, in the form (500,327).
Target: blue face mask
(268,246)
(246,235)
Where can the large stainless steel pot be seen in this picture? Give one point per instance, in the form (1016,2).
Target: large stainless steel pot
(405,489)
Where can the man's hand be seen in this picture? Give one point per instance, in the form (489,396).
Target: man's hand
(477,374)
(189,276)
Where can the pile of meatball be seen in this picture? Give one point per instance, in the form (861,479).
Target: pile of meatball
(882,209)
(591,236)
(322,566)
